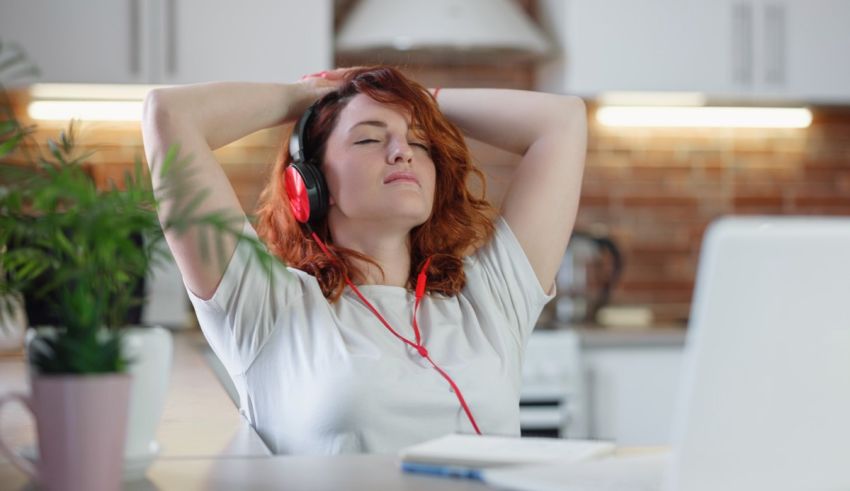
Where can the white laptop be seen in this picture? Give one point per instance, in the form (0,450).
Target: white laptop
(765,391)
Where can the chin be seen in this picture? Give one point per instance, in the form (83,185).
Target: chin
(408,208)
(408,218)
(409,221)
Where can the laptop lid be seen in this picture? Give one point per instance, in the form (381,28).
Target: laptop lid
(765,395)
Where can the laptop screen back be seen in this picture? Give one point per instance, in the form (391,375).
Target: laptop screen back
(765,399)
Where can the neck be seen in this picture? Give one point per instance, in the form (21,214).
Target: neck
(389,248)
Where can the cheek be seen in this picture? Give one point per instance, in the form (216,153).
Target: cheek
(334,180)
(433,180)
(345,184)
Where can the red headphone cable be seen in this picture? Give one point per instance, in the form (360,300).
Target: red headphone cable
(420,292)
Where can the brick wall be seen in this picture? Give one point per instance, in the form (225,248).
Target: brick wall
(656,190)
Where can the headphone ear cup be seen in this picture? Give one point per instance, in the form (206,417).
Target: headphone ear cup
(305,184)
(307,192)
(318,192)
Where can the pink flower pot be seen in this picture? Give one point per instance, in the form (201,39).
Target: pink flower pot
(82,425)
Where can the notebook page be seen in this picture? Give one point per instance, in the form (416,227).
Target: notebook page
(486,451)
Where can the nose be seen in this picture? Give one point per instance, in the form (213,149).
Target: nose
(401,152)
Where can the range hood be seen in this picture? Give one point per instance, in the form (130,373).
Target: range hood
(441,31)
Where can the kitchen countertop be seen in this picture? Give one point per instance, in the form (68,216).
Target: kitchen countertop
(594,336)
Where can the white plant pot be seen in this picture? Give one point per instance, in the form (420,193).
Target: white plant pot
(13,325)
(149,350)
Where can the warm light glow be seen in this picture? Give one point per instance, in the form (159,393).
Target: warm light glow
(86,110)
(720,117)
(88,102)
(90,92)
(651,99)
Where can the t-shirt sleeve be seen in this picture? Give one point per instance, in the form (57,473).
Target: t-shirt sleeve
(240,316)
(510,281)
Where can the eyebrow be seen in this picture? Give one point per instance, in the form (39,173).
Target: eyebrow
(383,124)
(379,124)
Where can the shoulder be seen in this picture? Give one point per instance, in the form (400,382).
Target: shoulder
(502,236)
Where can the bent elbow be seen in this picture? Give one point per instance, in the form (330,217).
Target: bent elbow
(565,113)
(156,124)
(153,107)
(575,108)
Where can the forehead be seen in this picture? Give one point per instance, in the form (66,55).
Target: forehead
(364,108)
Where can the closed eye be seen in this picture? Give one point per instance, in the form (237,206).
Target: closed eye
(415,144)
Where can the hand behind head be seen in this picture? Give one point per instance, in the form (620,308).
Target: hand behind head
(320,83)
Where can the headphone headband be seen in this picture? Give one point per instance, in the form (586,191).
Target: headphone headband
(298,139)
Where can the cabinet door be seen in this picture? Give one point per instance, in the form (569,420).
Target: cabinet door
(252,40)
(807,45)
(651,45)
(725,54)
(80,41)
(633,393)
(774,50)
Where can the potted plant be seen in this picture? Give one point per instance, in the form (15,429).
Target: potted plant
(13,65)
(78,248)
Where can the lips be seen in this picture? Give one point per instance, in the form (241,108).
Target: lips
(401,176)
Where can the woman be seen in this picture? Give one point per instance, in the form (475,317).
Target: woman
(383,331)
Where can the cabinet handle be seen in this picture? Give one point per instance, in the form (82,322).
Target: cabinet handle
(742,44)
(774,44)
(135,37)
(171,37)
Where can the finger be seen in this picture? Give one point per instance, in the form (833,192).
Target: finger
(335,74)
(339,73)
(322,74)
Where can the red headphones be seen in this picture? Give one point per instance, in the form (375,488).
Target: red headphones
(307,193)
(306,188)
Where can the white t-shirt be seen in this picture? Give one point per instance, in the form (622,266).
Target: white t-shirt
(321,378)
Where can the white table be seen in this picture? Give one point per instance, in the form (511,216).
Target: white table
(338,473)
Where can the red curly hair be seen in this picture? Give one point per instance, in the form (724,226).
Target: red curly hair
(458,220)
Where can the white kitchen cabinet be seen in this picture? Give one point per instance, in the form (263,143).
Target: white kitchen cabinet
(782,49)
(80,41)
(817,46)
(257,40)
(633,393)
(728,49)
(170,41)
(614,45)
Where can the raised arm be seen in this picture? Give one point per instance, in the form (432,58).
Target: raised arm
(200,118)
(550,133)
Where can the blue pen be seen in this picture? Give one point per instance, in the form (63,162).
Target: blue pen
(442,470)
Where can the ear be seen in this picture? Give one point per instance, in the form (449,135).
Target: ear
(331,201)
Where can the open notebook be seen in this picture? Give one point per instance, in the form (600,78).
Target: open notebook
(765,391)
